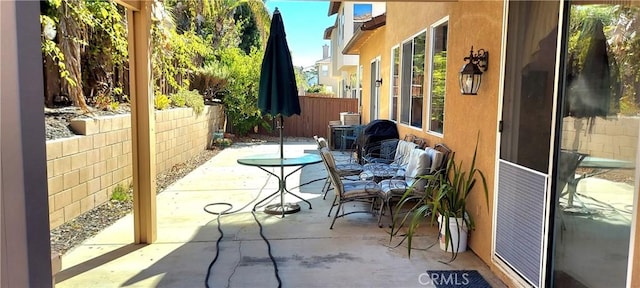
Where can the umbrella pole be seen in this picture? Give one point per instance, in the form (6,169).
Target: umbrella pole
(282,208)
(280,127)
(282,183)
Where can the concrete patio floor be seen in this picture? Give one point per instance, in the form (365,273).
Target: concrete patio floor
(354,254)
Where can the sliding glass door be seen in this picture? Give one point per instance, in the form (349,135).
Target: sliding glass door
(597,136)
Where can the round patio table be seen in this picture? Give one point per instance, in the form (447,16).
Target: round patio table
(267,161)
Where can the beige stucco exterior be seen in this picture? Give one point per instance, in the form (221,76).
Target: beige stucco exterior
(466,116)
(327,80)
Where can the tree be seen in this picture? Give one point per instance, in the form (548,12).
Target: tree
(106,57)
(214,19)
(88,48)
(301,78)
(311,75)
(243,80)
(73,31)
(250,35)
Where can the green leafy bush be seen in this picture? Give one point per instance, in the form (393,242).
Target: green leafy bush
(178,99)
(104,102)
(194,100)
(320,89)
(244,77)
(119,194)
(161,101)
(175,54)
(210,80)
(188,98)
(113,106)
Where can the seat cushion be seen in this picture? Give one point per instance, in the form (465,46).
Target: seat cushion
(435,157)
(380,166)
(360,189)
(393,187)
(349,169)
(403,152)
(419,165)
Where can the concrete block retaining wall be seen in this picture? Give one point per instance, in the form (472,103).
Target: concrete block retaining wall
(613,137)
(82,171)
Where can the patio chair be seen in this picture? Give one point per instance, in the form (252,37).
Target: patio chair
(381,152)
(567,166)
(400,160)
(409,137)
(442,148)
(352,191)
(422,143)
(421,163)
(344,169)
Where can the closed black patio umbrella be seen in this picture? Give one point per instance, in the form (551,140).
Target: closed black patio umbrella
(278,92)
(590,90)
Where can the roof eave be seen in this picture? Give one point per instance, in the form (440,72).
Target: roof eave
(365,31)
(334,7)
(353,46)
(327,32)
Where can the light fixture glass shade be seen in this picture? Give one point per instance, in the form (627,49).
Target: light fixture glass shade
(469,79)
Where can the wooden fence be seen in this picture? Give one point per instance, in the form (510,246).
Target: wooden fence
(316,112)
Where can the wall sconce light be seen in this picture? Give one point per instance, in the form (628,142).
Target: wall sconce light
(378,82)
(471,74)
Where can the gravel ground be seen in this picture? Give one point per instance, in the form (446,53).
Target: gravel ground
(74,232)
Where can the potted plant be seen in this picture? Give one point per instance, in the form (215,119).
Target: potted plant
(445,200)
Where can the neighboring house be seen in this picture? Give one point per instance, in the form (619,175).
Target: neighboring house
(535,114)
(325,72)
(349,17)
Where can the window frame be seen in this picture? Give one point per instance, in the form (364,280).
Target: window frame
(432,28)
(374,115)
(400,106)
(391,70)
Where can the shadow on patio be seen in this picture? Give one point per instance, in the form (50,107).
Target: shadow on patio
(308,254)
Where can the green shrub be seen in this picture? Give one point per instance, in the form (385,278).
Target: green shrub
(188,98)
(244,77)
(105,102)
(119,194)
(209,80)
(161,101)
(178,99)
(194,100)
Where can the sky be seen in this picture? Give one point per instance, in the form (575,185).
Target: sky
(304,23)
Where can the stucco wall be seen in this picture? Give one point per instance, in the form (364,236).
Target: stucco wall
(370,50)
(470,23)
(329,80)
(478,24)
(82,171)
